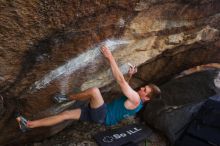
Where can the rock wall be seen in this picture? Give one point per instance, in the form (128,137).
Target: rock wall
(53,46)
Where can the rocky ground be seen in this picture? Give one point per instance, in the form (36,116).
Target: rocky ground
(80,134)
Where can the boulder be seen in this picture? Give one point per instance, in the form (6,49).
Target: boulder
(180,99)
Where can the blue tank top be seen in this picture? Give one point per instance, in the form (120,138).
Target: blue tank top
(116,111)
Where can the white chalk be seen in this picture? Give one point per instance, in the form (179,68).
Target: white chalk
(130,65)
(73,64)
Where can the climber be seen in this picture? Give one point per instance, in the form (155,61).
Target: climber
(98,111)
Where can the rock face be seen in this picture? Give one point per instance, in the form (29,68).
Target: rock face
(53,46)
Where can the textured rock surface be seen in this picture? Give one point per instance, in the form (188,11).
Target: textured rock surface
(52,46)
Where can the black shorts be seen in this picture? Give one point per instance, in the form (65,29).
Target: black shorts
(96,115)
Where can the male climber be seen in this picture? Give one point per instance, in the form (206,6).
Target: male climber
(98,111)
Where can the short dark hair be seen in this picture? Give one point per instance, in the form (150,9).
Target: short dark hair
(155,93)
